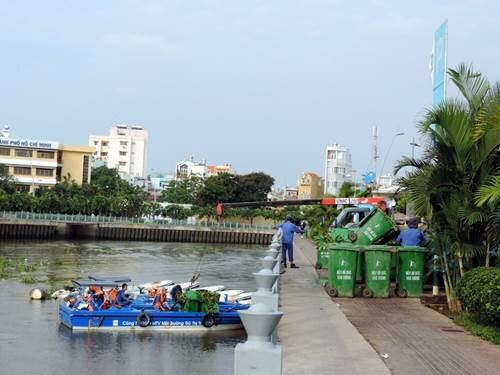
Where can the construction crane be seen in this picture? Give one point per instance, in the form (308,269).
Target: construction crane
(375,201)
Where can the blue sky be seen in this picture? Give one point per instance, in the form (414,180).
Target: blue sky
(264,85)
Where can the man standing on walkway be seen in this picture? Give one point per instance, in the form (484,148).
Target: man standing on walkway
(289,229)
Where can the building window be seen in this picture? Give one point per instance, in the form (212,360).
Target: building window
(45,154)
(5,151)
(183,170)
(24,153)
(123,153)
(45,172)
(58,173)
(104,154)
(123,143)
(96,143)
(23,188)
(104,143)
(85,173)
(122,163)
(23,171)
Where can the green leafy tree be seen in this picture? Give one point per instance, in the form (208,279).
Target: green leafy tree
(461,156)
(176,212)
(220,188)
(7,184)
(346,190)
(253,187)
(182,191)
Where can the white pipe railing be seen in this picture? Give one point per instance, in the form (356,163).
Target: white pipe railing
(88,219)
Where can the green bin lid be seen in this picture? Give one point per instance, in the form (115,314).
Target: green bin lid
(379,248)
(344,246)
(413,249)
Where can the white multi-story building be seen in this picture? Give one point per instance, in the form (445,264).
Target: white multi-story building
(187,168)
(125,148)
(338,167)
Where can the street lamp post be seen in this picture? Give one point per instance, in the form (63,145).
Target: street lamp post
(352,175)
(389,150)
(413,145)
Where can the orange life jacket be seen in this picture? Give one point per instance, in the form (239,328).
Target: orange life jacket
(112,295)
(89,303)
(93,288)
(161,301)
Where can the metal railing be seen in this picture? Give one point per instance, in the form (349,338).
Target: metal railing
(88,219)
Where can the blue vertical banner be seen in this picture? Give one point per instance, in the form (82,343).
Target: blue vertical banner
(438,64)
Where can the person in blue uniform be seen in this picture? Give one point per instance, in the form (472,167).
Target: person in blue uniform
(411,236)
(289,229)
(121,298)
(175,294)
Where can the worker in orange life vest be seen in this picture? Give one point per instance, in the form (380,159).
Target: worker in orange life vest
(160,301)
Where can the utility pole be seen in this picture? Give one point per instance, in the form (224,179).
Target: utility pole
(375,149)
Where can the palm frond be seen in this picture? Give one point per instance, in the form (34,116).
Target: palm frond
(489,193)
(473,85)
(406,161)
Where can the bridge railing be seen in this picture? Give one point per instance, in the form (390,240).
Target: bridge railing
(88,219)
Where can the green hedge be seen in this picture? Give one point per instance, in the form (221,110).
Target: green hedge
(479,292)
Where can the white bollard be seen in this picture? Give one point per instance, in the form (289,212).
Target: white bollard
(267,292)
(272,252)
(259,355)
(265,279)
(269,262)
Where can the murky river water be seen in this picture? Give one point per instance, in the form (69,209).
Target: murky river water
(33,342)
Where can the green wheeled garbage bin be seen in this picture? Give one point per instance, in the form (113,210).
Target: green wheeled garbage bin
(411,271)
(374,227)
(377,271)
(342,266)
(322,255)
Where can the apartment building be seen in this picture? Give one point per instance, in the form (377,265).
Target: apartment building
(310,186)
(338,167)
(36,163)
(125,149)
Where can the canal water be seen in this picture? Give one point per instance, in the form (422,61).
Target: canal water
(32,341)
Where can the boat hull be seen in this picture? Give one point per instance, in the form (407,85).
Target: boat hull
(126,320)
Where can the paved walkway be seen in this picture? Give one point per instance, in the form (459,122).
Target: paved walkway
(418,340)
(316,336)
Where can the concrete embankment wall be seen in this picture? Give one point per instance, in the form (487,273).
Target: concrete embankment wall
(181,235)
(130,233)
(28,231)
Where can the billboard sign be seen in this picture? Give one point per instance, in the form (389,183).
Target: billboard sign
(438,64)
(29,143)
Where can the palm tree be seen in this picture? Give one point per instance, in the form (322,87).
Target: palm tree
(487,198)
(461,155)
